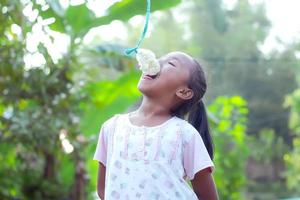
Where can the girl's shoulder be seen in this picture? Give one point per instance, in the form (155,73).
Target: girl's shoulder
(187,129)
(110,122)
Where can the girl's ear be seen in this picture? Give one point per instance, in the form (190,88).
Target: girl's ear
(185,93)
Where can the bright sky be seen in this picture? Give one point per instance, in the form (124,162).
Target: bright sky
(284,15)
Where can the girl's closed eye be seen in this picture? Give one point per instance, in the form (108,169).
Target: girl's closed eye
(171,63)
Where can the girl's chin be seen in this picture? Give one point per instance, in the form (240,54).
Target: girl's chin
(147,84)
(145,89)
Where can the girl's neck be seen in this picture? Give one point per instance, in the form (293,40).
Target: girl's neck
(151,108)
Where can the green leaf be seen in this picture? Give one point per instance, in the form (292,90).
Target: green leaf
(79,17)
(108,97)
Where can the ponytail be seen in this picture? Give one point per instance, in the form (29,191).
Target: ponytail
(198,118)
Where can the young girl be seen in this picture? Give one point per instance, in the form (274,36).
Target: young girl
(149,154)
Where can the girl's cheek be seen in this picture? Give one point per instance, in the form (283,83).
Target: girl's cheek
(165,69)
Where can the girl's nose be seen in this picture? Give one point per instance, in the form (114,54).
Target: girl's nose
(161,63)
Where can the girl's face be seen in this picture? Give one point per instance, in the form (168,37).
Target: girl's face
(174,74)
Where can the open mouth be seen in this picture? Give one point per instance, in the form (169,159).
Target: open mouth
(150,76)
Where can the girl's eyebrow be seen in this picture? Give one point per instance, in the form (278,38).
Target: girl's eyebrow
(174,58)
(168,58)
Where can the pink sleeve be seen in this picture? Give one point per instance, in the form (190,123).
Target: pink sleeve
(101,149)
(195,156)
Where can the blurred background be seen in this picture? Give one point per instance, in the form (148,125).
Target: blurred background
(63,73)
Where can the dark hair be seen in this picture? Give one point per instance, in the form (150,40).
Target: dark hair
(194,108)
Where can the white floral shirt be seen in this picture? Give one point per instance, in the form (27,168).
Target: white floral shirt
(150,163)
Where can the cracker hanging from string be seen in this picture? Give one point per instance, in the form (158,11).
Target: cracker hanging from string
(147,61)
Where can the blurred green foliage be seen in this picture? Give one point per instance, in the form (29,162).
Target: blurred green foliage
(269,145)
(292,158)
(230,144)
(265,168)
(293,102)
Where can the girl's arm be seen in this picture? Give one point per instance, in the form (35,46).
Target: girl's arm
(204,185)
(101,181)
